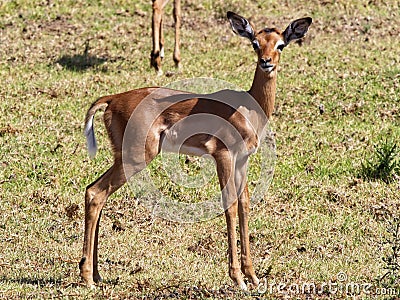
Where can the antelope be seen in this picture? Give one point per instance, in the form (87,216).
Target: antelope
(227,126)
(157,53)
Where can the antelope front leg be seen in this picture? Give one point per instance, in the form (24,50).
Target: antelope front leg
(229,198)
(177,17)
(155,60)
(234,269)
(246,263)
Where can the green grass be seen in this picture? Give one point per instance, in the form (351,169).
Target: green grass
(384,165)
(317,218)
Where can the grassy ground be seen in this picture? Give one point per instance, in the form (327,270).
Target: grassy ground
(319,218)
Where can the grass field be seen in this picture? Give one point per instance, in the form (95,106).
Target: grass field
(327,218)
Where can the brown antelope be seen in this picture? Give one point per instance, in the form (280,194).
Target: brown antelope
(225,125)
(157,54)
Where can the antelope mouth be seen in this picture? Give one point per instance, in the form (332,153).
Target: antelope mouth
(267,68)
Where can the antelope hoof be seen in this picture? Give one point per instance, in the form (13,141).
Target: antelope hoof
(155,62)
(89,283)
(178,65)
(250,275)
(97,278)
(242,286)
(91,286)
(236,276)
(85,274)
(254,280)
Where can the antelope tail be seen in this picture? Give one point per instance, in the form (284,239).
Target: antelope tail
(89,130)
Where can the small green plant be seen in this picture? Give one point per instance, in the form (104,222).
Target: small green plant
(392,259)
(384,164)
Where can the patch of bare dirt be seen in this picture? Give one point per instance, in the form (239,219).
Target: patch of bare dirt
(8,130)
(204,246)
(196,292)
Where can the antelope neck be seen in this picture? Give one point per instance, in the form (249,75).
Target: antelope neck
(263,90)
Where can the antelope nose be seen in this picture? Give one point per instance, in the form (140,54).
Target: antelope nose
(265,60)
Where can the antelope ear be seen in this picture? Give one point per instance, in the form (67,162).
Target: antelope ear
(296,30)
(240,25)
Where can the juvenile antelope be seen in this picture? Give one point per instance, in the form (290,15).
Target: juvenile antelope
(226,125)
(157,54)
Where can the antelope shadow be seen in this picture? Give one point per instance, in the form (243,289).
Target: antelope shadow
(82,62)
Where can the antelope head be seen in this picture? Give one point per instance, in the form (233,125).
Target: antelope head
(269,43)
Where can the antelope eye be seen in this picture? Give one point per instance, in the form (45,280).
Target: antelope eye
(280,47)
(255,44)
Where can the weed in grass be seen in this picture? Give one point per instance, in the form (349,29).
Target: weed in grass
(392,260)
(384,165)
